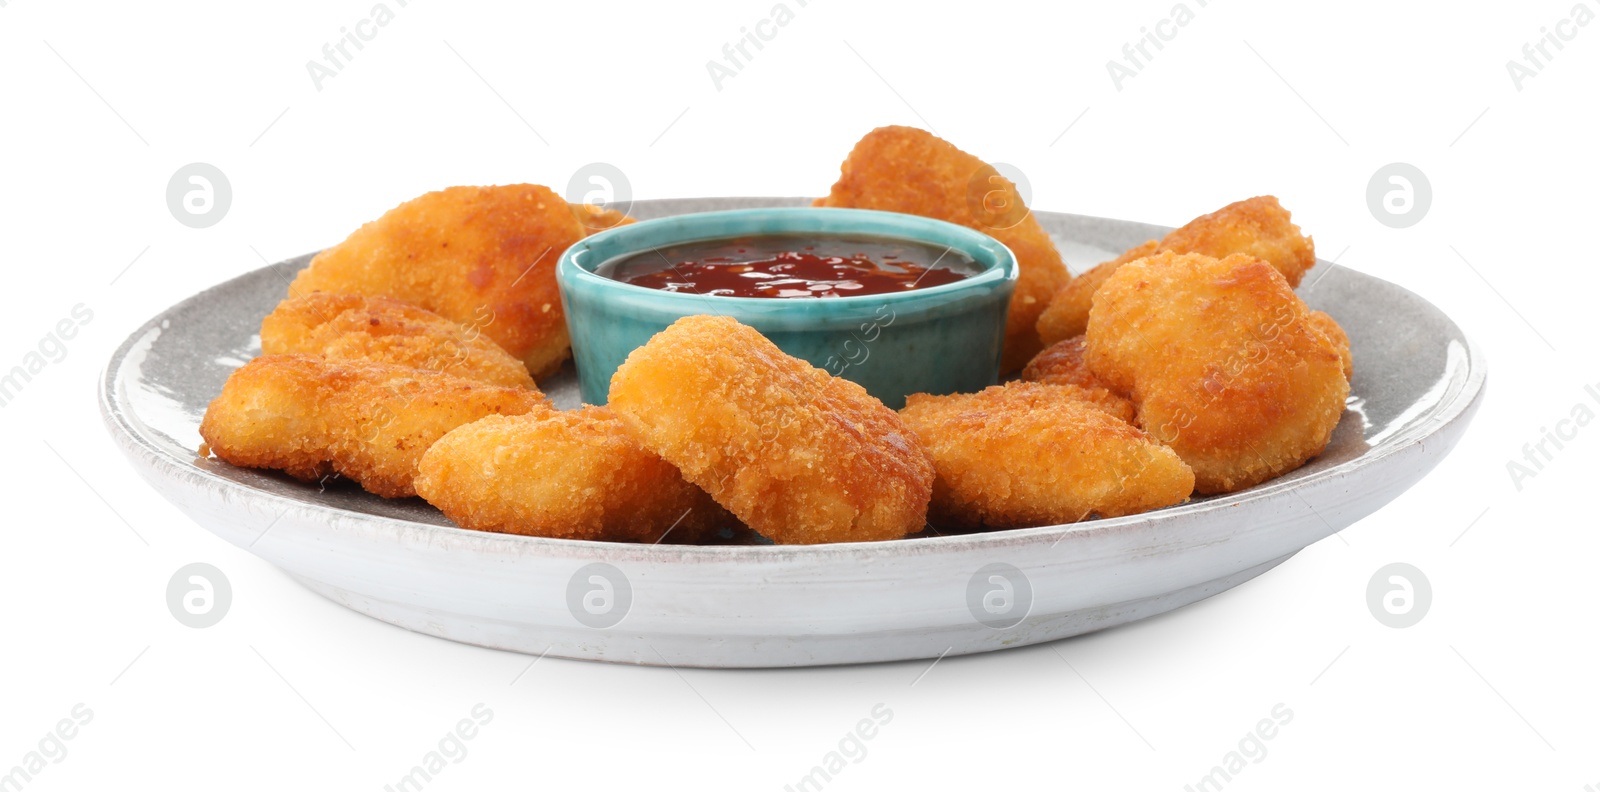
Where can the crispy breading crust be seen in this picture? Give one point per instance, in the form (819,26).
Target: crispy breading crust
(1025,454)
(1067,316)
(595,219)
(1223,363)
(1063,364)
(481,256)
(370,422)
(907,170)
(571,475)
(800,456)
(1341,342)
(1258,227)
(350,327)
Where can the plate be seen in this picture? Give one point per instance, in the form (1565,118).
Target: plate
(1418,381)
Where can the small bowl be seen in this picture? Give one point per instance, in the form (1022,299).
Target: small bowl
(942,339)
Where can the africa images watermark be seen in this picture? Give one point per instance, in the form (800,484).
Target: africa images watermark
(599,595)
(999,596)
(199,194)
(1252,749)
(852,749)
(1538,54)
(51,349)
(199,595)
(338,54)
(1137,53)
(1537,454)
(737,53)
(52,749)
(1399,595)
(857,348)
(451,749)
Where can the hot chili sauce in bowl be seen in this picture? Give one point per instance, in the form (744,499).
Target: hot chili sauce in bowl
(896,303)
(792,266)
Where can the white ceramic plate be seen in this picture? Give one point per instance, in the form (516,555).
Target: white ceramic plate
(1417,382)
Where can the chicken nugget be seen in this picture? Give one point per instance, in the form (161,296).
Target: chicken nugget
(907,170)
(370,422)
(481,256)
(350,327)
(798,455)
(1223,363)
(1026,454)
(1330,328)
(1063,364)
(1258,227)
(595,219)
(571,475)
(1067,315)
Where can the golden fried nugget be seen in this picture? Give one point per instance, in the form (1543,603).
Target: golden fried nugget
(1223,363)
(1068,312)
(1258,227)
(800,456)
(1025,454)
(595,219)
(907,170)
(481,256)
(570,475)
(370,422)
(1063,364)
(350,327)
(1336,334)
(1102,398)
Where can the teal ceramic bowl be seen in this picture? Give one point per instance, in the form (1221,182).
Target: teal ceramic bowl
(942,339)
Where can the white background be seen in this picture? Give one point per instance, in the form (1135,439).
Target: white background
(1495,688)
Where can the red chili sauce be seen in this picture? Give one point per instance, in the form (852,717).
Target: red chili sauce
(788,266)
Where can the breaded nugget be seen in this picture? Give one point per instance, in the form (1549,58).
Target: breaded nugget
(595,219)
(1068,312)
(907,170)
(800,456)
(1258,227)
(1336,334)
(571,475)
(1025,454)
(1063,364)
(370,422)
(1223,363)
(350,327)
(481,256)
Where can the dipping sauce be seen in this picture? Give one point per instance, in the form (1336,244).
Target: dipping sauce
(784,266)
